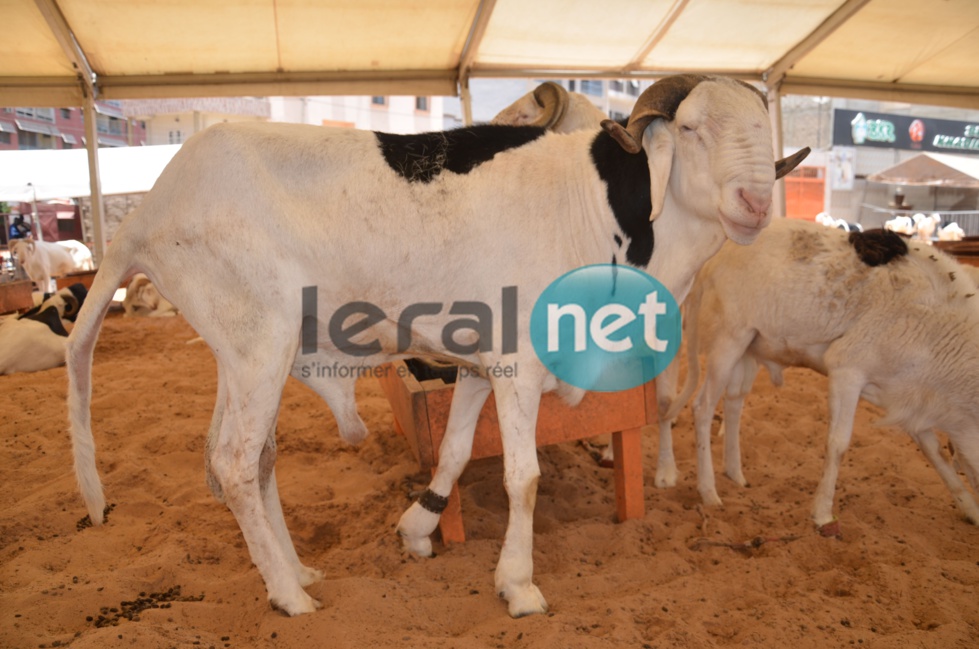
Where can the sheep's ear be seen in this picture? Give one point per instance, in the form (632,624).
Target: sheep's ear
(659,150)
(785,165)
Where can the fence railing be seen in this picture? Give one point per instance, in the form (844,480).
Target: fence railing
(875,215)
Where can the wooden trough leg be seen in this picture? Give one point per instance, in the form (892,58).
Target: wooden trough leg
(627,446)
(450,524)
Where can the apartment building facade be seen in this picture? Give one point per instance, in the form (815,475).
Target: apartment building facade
(64,128)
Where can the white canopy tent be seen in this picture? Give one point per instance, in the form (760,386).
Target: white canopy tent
(68,52)
(904,50)
(53,173)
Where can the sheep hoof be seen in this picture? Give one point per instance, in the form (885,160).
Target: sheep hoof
(665,478)
(525,601)
(831,530)
(307,575)
(711,499)
(738,479)
(415,529)
(296,606)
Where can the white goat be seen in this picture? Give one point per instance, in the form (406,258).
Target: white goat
(404,220)
(903,334)
(142,299)
(43,260)
(551,106)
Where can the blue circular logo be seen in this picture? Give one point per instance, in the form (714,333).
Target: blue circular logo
(605,327)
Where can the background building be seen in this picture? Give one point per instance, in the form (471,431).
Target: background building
(63,128)
(833,179)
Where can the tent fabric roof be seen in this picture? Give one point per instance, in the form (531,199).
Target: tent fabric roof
(902,50)
(932,170)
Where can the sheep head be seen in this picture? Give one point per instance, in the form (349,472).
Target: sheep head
(544,107)
(695,127)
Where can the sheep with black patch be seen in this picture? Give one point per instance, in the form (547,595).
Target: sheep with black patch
(379,225)
(892,324)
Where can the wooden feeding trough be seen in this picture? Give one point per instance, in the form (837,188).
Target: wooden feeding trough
(16,295)
(85,277)
(421,411)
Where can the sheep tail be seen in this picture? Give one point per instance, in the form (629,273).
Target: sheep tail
(113,271)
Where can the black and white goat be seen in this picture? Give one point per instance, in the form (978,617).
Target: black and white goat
(390,222)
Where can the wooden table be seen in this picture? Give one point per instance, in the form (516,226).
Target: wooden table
(421,411)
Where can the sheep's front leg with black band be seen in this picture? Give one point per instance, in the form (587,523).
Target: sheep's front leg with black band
(420,520)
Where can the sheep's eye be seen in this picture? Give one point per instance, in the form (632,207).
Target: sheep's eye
(686,129)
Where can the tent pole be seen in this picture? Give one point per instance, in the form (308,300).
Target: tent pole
(775,114)
(95,182)
(467,102)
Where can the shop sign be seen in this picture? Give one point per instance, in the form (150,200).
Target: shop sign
(863,128)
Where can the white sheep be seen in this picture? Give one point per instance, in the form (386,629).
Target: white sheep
(382,223)
(43,260)
(142,299)
(550,106)
(951,232)
(826,219)
(903,334)
(901,225)
(925,226)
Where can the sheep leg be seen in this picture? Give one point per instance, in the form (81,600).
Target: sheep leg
(720,365)
(844,396)
(253,391)
(742,378)
(665,393)
(517,406)
(928,443)
(421,519)
(273,506)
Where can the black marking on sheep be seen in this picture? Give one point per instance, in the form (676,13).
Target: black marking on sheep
(878,246)
(422,157)
(49,317)
(626,177)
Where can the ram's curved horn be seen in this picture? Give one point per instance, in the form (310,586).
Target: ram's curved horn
(788,163)
(71,306)
(659,100)
(553,98)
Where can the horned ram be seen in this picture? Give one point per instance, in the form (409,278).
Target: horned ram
(552,107)
(365,217)
(894,324)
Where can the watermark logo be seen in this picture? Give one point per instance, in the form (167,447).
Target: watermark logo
(605,327)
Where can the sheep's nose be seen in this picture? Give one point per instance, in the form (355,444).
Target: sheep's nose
(756,203)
